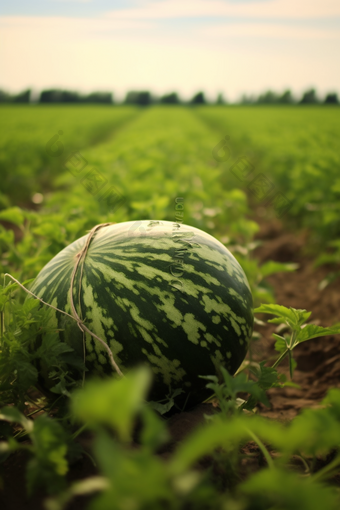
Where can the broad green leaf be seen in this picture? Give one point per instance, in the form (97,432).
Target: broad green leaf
(272,267)
(293,316)
(314,432)
(311,331)
(227,434)
(217,433)
(279,310)
(137,480)
(113,402)
(13,215)
(280,489)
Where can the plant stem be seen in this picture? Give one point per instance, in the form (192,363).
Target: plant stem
(263,449)
(326,470)
(280,358)
(79,431)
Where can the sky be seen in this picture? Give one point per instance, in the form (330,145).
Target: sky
(232,47)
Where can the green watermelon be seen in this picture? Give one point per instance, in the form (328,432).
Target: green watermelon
(156,292)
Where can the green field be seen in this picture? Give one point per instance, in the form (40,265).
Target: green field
(65,169)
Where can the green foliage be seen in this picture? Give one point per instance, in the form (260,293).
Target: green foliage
(298,331)
(227,392)
(331,256)
(296,149)
(117,404)
(137,478)
(280,489)
(22,359)
(48,465)
(26,166)
(156,155)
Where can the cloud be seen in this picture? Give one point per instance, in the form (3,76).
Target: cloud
(289,9)
(66,27)
(267,31)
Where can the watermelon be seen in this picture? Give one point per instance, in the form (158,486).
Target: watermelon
(155,292)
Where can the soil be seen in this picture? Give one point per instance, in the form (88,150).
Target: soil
(318,364)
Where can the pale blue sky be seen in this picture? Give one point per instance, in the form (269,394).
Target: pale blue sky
(234,47)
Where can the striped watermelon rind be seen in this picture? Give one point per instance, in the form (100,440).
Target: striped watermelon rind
(158,292)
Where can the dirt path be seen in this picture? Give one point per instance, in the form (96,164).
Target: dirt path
(318,361)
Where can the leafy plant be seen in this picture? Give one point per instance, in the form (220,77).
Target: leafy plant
(298,331)
(31,350)
(48,465)
(331,257)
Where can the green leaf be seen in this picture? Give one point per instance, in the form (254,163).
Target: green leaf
(273,488)
(311,331)
(60,389)
(51,347)
(162,408)
(13,415)
(280,344)
(49,465)
(272,267)
(154,432)
(13,215)
(267,377)
(113,402)
(294,317)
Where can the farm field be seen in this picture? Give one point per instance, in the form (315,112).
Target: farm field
(270,192)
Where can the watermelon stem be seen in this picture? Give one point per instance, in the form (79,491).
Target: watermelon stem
(81,257)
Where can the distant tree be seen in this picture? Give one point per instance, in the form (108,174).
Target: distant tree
(68,96)
(99,97)
(170,98)
(23,97)
(268,97)
(332,98)
(247,99)
(4,97)
(286,97)
(309,97)
(141,98)
(59,96)
(198,98)
(220,99)
(51,96)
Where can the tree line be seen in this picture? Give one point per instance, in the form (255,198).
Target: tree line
(146,98)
